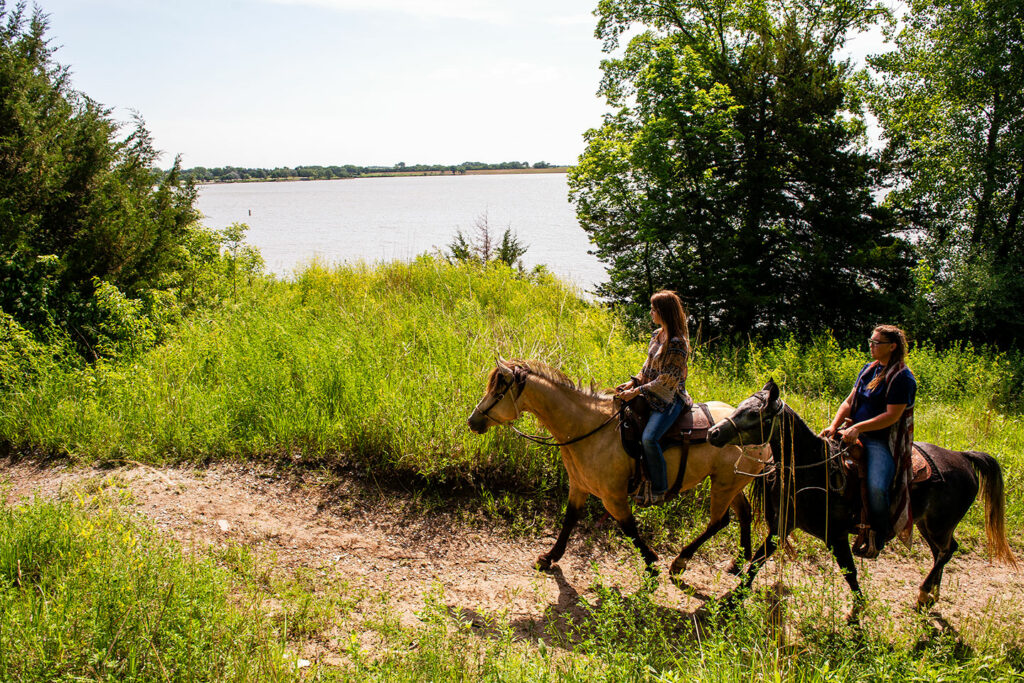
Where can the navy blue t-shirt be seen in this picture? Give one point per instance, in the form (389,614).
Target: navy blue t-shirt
(873,403)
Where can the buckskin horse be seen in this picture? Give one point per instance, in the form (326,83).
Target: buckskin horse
(802,492)
(581,422)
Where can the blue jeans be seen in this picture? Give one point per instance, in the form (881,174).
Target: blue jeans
(881,470)
(657,425)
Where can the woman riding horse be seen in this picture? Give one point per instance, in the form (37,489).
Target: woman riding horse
(881,408)
(583,423)
(663,383)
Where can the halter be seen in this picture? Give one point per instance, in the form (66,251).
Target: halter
(519,376)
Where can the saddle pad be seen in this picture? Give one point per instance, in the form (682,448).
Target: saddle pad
(919,466)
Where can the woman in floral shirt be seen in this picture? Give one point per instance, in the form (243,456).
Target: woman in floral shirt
(662,382)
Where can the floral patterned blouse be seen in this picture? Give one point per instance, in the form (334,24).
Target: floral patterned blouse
(663,385)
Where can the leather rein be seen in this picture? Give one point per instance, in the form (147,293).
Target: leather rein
(519,382)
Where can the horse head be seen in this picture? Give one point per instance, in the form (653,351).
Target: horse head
(505,384)
(753,420)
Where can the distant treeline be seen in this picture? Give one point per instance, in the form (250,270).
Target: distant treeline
(227,174)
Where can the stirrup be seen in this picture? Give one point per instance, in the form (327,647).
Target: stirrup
(645,497)
(867,545)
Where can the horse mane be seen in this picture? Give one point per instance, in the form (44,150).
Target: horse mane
(544,371)
(797,428)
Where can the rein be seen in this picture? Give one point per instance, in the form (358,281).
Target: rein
(519,381)
(834,453)
(549,440)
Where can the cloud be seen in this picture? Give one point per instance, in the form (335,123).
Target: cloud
(489,11)
(486,11)
(508,72)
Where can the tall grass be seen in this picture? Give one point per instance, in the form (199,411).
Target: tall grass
(377,367)
(87,593)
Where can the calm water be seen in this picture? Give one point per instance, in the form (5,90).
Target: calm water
(385,219)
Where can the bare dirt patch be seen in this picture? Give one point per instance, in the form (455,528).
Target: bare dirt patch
(385,544)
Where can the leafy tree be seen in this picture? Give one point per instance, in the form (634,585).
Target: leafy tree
(731,168)
(950,98)
(79,205)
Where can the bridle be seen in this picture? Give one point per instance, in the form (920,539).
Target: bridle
(835,453)
(518,381)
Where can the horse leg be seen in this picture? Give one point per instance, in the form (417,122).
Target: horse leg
(719,520)
(767,549)
(620,510)
(577,499)
(840,547)
(942,546)
(745,515)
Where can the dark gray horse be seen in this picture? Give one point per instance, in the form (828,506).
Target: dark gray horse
(799,494)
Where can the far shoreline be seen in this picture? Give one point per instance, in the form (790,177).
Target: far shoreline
(393,174)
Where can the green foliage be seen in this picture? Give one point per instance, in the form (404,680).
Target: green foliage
(481,247)
(79,204)
(377,368)
(951,100)
(87,592)
(123,328)
(731,169)
(230,174)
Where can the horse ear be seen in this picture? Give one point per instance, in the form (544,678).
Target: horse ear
(503,368)
(773,391)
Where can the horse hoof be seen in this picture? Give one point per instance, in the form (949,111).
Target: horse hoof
(924,601)
(543,563)
(734,568)
(678,567)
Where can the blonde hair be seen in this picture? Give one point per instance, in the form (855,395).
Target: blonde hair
(893,335)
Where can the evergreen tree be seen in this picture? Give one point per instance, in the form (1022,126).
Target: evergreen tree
(79,204)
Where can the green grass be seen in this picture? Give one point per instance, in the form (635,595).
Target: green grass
(375,368)
(88,593)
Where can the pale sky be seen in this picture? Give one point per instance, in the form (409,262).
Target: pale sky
(266,83)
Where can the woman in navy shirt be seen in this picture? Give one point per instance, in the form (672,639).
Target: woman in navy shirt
(880,410)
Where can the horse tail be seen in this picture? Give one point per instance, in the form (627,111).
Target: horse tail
(991,476)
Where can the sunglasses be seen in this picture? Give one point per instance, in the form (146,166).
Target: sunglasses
(876,342)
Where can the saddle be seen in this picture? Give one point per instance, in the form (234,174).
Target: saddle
(690,427)
(855,466)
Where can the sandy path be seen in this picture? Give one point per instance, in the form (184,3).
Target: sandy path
(376,544)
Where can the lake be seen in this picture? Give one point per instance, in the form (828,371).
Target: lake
(398,218)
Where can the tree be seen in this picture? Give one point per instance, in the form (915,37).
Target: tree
(481,247)
(78,204)
(950,99)
(732,168)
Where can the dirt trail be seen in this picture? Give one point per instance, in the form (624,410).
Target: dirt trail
(377,545)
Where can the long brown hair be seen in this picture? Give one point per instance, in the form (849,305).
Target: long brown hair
(893,335)
(673,318)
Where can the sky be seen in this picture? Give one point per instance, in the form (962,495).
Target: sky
(268,83)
